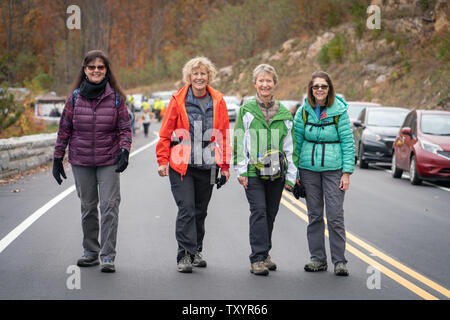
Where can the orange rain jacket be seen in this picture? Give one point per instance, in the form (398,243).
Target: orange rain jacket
(176,123)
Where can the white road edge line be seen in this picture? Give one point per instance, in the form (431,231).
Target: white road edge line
(24,225)
(407,177)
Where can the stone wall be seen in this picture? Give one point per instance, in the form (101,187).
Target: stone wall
(25,153)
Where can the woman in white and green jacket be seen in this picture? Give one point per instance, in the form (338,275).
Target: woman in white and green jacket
(327,153)
(265,162)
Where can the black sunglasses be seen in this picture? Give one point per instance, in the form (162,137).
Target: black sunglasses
(92,68)
(317,87)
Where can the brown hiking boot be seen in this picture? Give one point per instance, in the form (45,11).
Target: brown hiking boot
(259,268)
(315,266)
(272,266)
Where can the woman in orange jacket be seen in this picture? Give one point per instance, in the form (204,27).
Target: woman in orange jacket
(194,143)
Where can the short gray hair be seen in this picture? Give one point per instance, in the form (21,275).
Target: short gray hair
(197,62)
(265,68)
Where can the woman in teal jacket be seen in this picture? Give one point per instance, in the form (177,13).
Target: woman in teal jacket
(326,159)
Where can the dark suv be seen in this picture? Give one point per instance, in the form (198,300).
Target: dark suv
(374,133)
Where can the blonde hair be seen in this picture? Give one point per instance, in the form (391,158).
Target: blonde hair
(265,68)
(195,63)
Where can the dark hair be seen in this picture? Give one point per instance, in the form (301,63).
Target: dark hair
(330,97)
(90,56)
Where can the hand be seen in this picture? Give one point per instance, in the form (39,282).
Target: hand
(224,176)
(58,170)
(288,188)
(243,181)
(122,159)
(345,181)
(163,170)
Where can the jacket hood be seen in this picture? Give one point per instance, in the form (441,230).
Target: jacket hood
(339,107)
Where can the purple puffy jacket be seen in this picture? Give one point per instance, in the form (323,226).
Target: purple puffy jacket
(95,130)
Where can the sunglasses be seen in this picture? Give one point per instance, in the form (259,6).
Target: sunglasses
(323,87)
(92,68)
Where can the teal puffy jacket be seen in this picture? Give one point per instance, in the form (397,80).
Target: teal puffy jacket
(327,147)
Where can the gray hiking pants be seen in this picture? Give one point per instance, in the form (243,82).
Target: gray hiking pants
(94,185)
(320,186)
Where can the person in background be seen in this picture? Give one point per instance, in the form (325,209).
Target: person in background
(327,158)
(158,107)
(193,145)
(146,120)
(265,162)
(96,126)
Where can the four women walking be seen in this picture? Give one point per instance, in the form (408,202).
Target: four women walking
(271,152)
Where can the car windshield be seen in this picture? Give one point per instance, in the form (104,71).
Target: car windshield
(354,110)
(162,95)
(289,103)
(386,118)
(232,100)
(437,124)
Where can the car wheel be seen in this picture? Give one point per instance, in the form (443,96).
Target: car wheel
(362,163)
(396,172)
(413,175)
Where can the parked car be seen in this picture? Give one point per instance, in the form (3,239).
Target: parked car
(164,95)
(375,132)
(291,105)
(232,106)
(355,107)
(422,146)
(245,99)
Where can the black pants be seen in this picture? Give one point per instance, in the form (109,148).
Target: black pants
(264,197)
(146,126)
(192,195)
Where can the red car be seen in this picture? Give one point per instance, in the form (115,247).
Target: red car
(422,146)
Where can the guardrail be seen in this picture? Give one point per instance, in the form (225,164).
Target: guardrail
(24,153)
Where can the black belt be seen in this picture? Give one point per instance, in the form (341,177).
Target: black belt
(323,143)
(204,143)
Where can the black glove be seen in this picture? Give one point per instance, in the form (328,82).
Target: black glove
(122,159)
(221,181)
(58,170)
(299,190)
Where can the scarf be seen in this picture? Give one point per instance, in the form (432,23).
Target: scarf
(92,90)
(269,110)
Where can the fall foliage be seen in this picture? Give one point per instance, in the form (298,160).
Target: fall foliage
(147,41)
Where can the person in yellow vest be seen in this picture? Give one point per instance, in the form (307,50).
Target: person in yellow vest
(146,105)
(159,108)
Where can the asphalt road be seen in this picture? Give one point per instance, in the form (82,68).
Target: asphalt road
(397,242)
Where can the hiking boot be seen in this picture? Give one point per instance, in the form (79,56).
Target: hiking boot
(87,261)
(340,269)
(315,266)
(185,265)
(259,268)
(199,261)
(108,266)
(272,266)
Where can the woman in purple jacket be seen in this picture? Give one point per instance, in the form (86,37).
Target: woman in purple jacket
(95,124)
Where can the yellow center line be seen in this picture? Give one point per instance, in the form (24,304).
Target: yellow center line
(407,284)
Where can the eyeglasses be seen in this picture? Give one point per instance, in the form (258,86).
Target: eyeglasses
(92,68)
(323,87)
